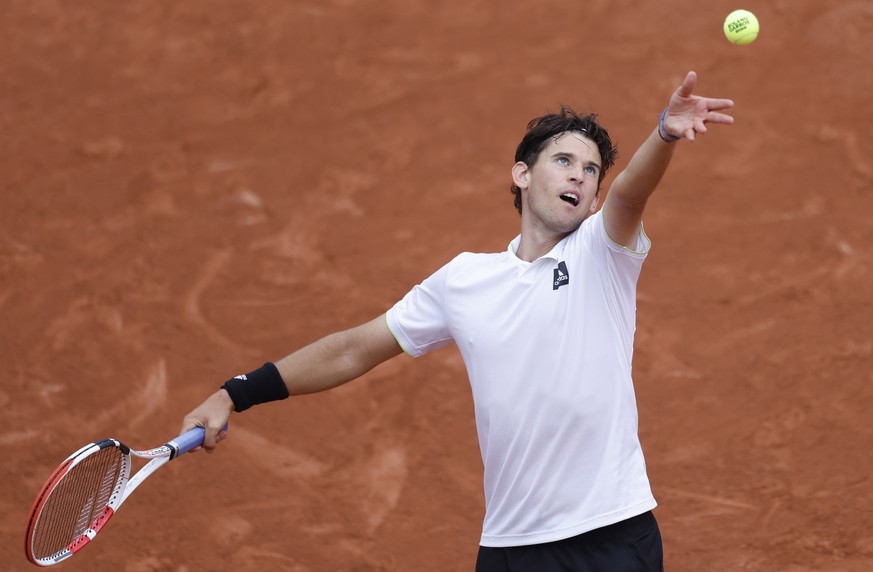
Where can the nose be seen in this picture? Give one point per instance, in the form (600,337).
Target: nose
(576,175)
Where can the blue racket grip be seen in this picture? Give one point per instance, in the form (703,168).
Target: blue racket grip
(188,440)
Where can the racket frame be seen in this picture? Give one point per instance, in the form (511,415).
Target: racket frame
(121,489)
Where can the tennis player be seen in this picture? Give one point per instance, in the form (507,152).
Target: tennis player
(546,330)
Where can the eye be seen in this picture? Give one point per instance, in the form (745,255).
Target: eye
(591,170)
(563,160)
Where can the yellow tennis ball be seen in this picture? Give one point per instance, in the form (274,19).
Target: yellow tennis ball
(741,27)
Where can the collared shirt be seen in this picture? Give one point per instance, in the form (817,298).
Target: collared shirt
(547,346)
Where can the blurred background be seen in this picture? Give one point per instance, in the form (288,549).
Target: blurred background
(190,189)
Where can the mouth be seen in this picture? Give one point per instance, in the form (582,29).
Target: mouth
(571,198)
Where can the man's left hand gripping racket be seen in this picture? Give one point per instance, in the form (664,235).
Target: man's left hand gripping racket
(85,491)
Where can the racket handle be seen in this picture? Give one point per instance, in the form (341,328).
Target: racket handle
(188,440)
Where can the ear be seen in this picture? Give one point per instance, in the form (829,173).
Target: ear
(596,201)
(521,175)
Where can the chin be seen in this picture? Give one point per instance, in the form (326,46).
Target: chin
(574,224)
(566,228)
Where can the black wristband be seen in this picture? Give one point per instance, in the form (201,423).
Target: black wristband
(259,386)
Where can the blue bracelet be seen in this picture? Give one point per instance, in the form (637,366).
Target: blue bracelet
(662,131)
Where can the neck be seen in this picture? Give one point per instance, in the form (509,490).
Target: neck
(535,243)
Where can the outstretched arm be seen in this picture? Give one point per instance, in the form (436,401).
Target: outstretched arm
(685,117)
(326,363)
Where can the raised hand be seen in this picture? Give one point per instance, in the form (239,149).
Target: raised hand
(687,114)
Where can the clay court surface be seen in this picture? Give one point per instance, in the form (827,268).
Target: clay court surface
(190,189)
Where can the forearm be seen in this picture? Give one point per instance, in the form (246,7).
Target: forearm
(338,358)
(628,195)
(327,363)
(633,186)
(684,117)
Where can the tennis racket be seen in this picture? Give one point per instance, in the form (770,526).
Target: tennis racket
(86,490)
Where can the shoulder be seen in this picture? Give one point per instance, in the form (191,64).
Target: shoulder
(467,260)
(469,264)
(478,258)
(593,231)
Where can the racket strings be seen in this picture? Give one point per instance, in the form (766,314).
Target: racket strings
(76,500)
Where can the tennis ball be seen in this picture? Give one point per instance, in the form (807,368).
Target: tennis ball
(741,27)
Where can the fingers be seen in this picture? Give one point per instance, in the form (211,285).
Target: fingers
(210,438)
(688,85)
(689,113)
(720,118)
(699,126)
(212,416)
(685,95)
(717,104)
(188,423)
(214,436)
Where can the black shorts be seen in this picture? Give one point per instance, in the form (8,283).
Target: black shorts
(632,545)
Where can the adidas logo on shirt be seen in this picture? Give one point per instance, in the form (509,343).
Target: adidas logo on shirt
(561,276)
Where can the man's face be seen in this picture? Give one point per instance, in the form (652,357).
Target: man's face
(559,190)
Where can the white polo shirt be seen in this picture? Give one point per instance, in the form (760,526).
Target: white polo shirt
(547,345)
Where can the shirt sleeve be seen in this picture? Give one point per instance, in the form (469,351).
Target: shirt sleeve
(418,321)
(640,249)
(619,270)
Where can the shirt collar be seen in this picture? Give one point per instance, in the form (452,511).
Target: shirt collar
(556,253)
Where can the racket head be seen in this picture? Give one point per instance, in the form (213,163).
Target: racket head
(76,501)
(85,491)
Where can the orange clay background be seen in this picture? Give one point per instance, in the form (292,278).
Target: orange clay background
(192,188)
